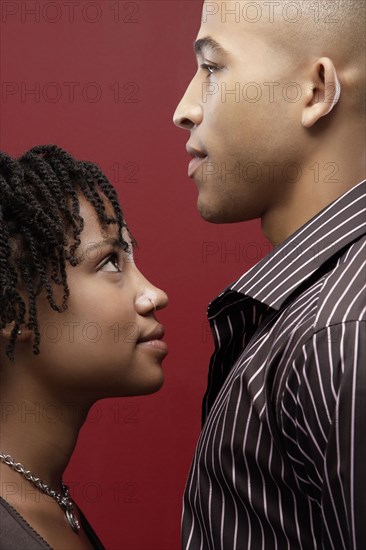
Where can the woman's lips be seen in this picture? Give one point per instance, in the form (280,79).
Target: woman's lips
(153,341)
(158,346)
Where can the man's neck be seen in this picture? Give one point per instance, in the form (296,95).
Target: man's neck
(321,183)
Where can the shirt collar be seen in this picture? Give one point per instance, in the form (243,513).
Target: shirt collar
(273,279)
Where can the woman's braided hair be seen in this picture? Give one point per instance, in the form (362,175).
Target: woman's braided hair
(40,226)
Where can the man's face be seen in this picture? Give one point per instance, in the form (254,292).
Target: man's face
(244,115)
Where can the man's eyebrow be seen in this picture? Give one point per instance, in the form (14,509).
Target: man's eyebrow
(210,43)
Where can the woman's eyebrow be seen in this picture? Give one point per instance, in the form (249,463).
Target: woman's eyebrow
(111,241)
(210,43)
(98,246)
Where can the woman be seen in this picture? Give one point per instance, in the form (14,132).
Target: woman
(77,324)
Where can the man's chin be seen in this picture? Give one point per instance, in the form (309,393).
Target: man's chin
(216,215)
(210,214)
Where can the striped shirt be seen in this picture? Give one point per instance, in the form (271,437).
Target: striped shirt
(281,460)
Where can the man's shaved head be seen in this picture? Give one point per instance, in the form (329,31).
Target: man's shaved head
(304,24)
(323,28)
(301,31)
(334,29)
(280,83)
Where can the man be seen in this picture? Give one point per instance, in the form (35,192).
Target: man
(277,122)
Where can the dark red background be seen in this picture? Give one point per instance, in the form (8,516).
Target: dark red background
(129,63)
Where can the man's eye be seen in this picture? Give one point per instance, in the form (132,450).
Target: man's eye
(210,68)
(112,259)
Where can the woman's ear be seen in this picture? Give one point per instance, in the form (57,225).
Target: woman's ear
(23,332)
(323,93)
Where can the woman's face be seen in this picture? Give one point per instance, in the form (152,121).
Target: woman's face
(108,342)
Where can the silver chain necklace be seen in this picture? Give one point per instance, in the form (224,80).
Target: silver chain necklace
(64,500)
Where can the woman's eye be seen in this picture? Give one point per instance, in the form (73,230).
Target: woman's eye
(210,68)
(112,259)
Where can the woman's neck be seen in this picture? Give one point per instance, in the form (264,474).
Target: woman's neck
(41,434)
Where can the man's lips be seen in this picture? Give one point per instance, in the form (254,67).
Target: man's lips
(198,158)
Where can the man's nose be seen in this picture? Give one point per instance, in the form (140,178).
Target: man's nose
(189,111)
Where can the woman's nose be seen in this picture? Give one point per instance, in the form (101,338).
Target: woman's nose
(151,300)
(159,298)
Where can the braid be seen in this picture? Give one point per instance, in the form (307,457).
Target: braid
(40,227)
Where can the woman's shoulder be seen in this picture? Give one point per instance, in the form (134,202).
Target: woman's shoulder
(16,532)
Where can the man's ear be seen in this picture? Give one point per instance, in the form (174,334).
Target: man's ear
(323,93)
